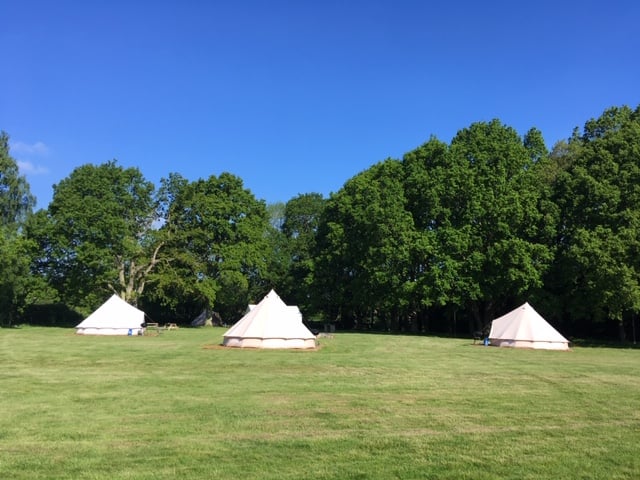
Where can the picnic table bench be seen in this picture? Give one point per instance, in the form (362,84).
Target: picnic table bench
(156,327)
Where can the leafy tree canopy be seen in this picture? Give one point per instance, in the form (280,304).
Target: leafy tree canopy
(598,194)
(16,201)
(101,237)
(216,249)
(16,204)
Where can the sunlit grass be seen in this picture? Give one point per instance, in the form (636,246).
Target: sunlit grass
(361,406)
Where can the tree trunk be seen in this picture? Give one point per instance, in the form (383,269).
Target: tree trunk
(622,335)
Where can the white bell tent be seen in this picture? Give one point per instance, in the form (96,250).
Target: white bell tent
(523,327)
(113,317)
(270,324)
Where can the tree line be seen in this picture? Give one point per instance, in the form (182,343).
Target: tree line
(442,240)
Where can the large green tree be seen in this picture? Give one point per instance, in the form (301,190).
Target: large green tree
(364,247)
(597,272)
(15,280)
(16,201)
(435,271)
(216,249)
(16,204)
(300,225)
(99,235)
(430,176)
(477,208)
(494,202)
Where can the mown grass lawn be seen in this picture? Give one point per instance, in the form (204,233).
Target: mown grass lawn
(363,406)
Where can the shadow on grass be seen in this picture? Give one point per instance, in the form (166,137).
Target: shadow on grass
(576,342)
(603,343)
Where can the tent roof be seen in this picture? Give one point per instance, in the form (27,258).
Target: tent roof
(271,318)
(524,323)
(114,313)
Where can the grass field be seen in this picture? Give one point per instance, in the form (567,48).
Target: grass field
(361,407)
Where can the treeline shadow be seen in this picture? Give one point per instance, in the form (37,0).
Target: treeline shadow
(51,315)
(603,343)
(475,340)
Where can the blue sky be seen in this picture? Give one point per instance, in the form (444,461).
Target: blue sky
(296,96)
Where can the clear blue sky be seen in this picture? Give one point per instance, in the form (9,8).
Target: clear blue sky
(296,96)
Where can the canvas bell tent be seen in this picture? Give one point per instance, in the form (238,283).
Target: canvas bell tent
(202,320)
(523,327)
(113,317)
(270,324)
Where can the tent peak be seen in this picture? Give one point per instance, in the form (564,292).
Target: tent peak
(272,295)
